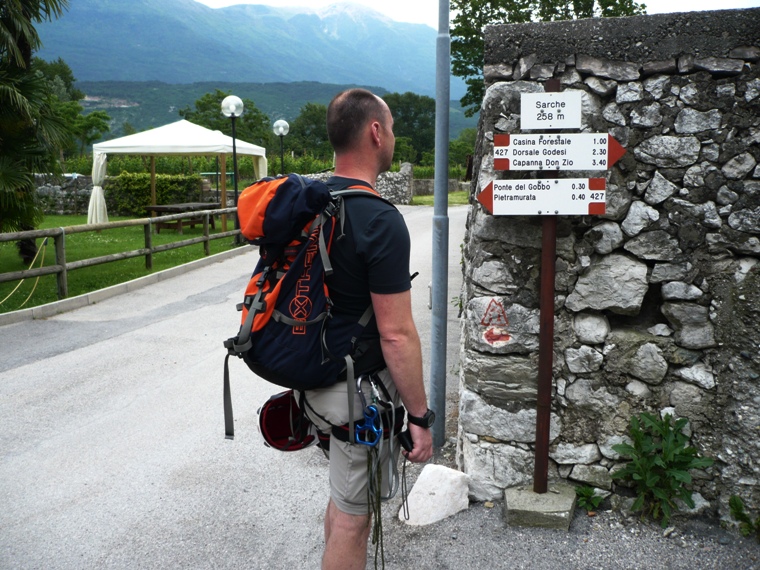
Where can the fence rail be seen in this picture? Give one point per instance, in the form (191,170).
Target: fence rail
(62,267)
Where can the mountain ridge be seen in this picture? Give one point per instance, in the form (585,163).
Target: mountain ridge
(183,41)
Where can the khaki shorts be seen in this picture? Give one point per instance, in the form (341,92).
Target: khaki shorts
(348,462)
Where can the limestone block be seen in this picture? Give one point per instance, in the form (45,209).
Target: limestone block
(567,453)
(629,92)
(617,70)
(638,389)
(583,359)
(659,189)
(594,475)
(478,417)
(640,216)
(494,467)
(617,283)
(699,374)
(680,291)
(656,245)
(606,237)
(668,151)
(648,116)
(606,446)
(739,166)
(439,493)
(583,393)
(498,327)
(690,121)
(648,364)
(591,328)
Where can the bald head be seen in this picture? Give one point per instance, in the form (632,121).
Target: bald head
(349,112)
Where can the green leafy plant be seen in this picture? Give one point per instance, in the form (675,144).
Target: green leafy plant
(660,461)
(746,525)
(587,498)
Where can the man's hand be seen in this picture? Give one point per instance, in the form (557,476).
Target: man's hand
(423,444)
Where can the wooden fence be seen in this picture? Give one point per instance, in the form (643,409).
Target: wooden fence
(62,267)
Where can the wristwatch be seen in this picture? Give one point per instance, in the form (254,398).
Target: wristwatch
(425,421)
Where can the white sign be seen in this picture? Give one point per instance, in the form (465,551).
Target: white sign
(584,151)
(550,110)
(555,196)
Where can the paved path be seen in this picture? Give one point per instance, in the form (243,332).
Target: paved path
(111,432)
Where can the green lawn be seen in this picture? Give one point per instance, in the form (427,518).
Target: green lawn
(455,199)
(94,244)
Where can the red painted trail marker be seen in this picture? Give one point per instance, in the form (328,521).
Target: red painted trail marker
(553,196)
(577,151)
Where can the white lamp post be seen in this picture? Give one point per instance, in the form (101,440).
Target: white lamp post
(232,107)
(281,129)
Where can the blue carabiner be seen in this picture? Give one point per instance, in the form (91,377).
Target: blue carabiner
(370,430)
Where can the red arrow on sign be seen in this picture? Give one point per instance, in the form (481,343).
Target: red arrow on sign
(486,198)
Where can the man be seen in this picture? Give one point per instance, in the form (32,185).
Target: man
(371,264)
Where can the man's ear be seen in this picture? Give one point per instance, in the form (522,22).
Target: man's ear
(375,128)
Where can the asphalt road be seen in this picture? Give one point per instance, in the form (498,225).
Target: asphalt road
(112,451)
(112,441)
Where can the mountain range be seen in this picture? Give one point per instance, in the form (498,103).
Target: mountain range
(183,41)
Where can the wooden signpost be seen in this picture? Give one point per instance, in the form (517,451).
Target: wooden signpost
(549,197)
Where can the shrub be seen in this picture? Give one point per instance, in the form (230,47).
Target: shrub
(129,194)
(660,461)
(587,498)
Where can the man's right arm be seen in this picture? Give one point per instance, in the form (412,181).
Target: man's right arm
(401,347)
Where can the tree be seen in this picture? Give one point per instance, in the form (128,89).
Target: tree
(83,130)
(252,126)
(463,146)
(308,133)
(472,16)
(30,132)
(414,119)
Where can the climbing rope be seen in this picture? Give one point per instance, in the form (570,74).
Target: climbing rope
(42,249)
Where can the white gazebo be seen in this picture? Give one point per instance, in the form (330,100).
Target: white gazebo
(182,138)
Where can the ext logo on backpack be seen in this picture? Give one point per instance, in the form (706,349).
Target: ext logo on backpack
(301,306)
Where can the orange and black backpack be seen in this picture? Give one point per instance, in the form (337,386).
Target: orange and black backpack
(289,334)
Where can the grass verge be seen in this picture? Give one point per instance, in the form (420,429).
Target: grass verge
(33,292)
(455,199)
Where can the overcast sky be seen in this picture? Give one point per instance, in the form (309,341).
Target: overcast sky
(426,11)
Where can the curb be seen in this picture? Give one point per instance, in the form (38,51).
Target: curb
(57,307)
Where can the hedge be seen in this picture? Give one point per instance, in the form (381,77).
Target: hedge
(129,194)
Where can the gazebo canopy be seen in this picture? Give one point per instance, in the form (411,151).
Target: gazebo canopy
(182,138)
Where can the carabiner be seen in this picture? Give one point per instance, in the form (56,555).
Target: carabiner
(370,430)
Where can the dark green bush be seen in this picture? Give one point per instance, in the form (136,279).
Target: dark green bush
(129,194)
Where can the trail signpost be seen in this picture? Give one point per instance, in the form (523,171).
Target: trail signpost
(553,196)
(582,151)
(549,197)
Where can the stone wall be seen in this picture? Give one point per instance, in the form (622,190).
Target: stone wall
(657,302)
(69,194)
(396,187)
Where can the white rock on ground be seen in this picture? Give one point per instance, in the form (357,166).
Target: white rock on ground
(438,493)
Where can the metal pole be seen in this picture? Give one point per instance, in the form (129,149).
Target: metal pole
(282,157)
(235,178)
(440,227)
(545,339)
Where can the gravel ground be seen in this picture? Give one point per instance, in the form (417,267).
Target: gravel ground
(479,538)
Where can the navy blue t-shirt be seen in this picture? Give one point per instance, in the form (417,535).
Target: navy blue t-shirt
(373,256)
